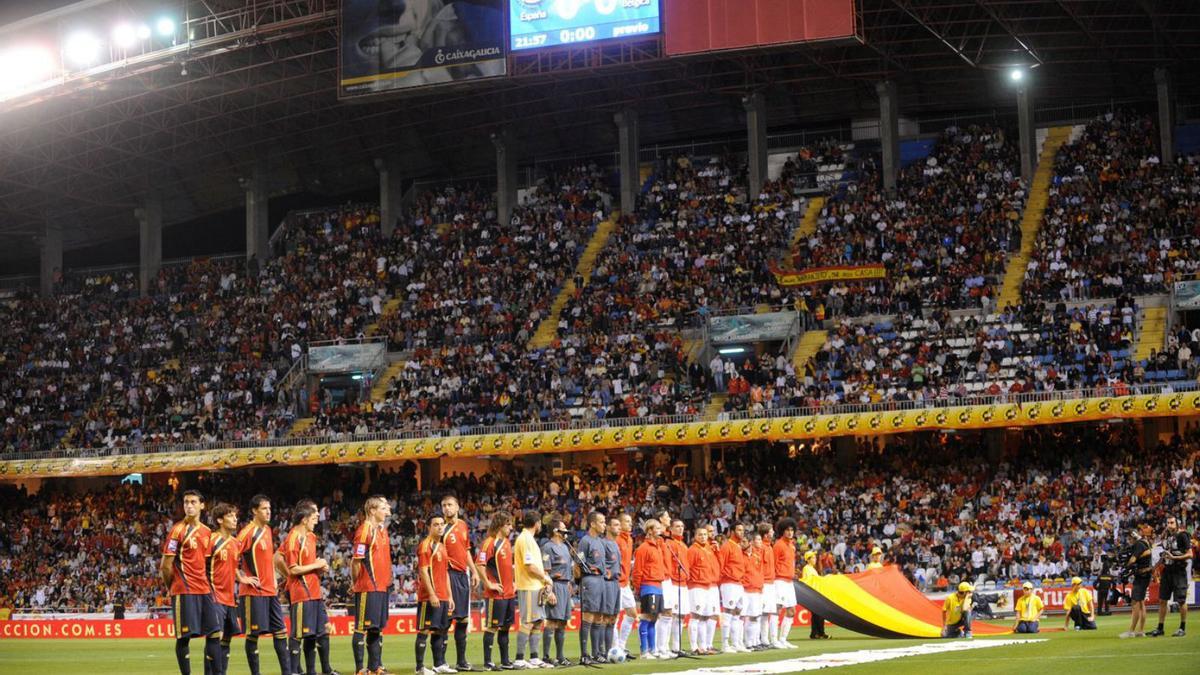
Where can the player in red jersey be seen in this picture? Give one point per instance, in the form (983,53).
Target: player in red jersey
(628,605)
(309,618)
(732,558)
(223,574)
(463,575)
(261,611)
(785,576)
(185,573)
(499,591)
(768,626)
(371,569)
(434,599)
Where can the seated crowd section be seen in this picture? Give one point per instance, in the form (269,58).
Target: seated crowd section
(939,506)
(202,357)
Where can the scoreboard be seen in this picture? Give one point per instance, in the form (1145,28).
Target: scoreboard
(545,23)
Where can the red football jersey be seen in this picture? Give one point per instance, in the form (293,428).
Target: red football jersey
(457,542)
(300,548)
(733,561)
(373,551)
(433,557)
(189,544)
(222,568)
(496,559)
(257,547)
(785,559)
(752,576)
(625,545)
(768,557)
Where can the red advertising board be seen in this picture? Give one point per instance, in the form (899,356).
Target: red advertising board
(695,26)
(82,629)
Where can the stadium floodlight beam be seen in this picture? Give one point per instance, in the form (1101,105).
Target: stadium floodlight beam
(1016,74)
(165,26)
(143,32)
(24,66)
(124,35)
(82,48)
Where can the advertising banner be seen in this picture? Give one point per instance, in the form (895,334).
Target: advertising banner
(750,327)
(820,275)
(546,23)
(389,45)
(1187,295)
(696,26)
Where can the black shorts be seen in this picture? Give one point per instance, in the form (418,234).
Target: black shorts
(195,615)
(651,604)
(1173,585)
(228,620)
(501,613)
(1138,592)
(433,616)
(309,619)
(370,611)
(460,590)
(262,614)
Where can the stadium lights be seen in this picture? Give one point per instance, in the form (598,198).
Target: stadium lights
(82,49)
(732,350)
(124,35)
(143,32)
(165,26)
(1016,74)
(24,66)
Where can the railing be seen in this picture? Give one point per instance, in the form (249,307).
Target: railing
(623,422)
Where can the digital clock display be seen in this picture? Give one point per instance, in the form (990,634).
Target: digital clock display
(546,23)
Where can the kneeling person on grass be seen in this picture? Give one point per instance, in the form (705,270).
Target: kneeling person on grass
(956,613)
(1029,610)
(1079,607)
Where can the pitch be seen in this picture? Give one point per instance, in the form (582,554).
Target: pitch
(1062,653)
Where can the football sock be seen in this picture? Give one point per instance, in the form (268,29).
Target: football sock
(181,655)
(358,646)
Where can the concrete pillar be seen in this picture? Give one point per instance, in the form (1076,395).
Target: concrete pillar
(390,193)
(51,257)
(258,229)
(150,221)
(845,451)
(889,132)
(1166,115)
(756,140)
(1027,134)
(506,174)
(628,146)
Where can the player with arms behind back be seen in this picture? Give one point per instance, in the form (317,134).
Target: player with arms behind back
(184,571)
(371,567)
(309,617)
(499,592)
(223,572)
(261,611)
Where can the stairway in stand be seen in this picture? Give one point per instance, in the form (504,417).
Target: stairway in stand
(809,224)
(1031,220)
(1153,334)
(809,343)
(716,406)
(547,330)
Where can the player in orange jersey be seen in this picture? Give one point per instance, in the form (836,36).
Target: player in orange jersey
(184,571)
(309,616)
(703,576)
(371,568)
(261,611)
(434,600)
(785,579)
(223,574)
(500,591)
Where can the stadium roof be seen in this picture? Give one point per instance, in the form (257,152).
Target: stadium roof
(258,84)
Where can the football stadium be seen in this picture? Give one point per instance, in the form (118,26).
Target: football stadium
(642,336)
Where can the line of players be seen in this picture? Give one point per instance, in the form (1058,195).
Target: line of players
(747,582)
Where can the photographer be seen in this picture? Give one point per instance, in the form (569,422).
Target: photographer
(1138,562)
(1104,586)
(1177,551)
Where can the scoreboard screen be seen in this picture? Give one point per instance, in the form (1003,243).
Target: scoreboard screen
(546,23)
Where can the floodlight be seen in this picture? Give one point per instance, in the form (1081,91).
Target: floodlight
(124,35)
(165,26)
(23,66)
(143,32)
(1016,74)
(82,48)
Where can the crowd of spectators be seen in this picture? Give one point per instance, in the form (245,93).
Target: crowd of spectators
(1119,220)
(943,507)
(943,236)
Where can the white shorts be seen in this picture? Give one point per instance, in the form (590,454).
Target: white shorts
(785,593)
(768,597)
(684,599)
(752,605)
(669,596)
(706,601)
(732,596)
(627,601)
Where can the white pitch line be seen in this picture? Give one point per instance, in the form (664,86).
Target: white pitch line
(852,658)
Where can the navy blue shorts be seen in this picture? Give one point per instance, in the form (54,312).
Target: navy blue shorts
(460,591)
(433,616)
(591,594)
(262,614)
(309,619)
(228,619)
(612,598)
(195,615)
(501,613)
(370,611)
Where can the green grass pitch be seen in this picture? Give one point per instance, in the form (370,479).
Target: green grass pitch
(1090,652)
